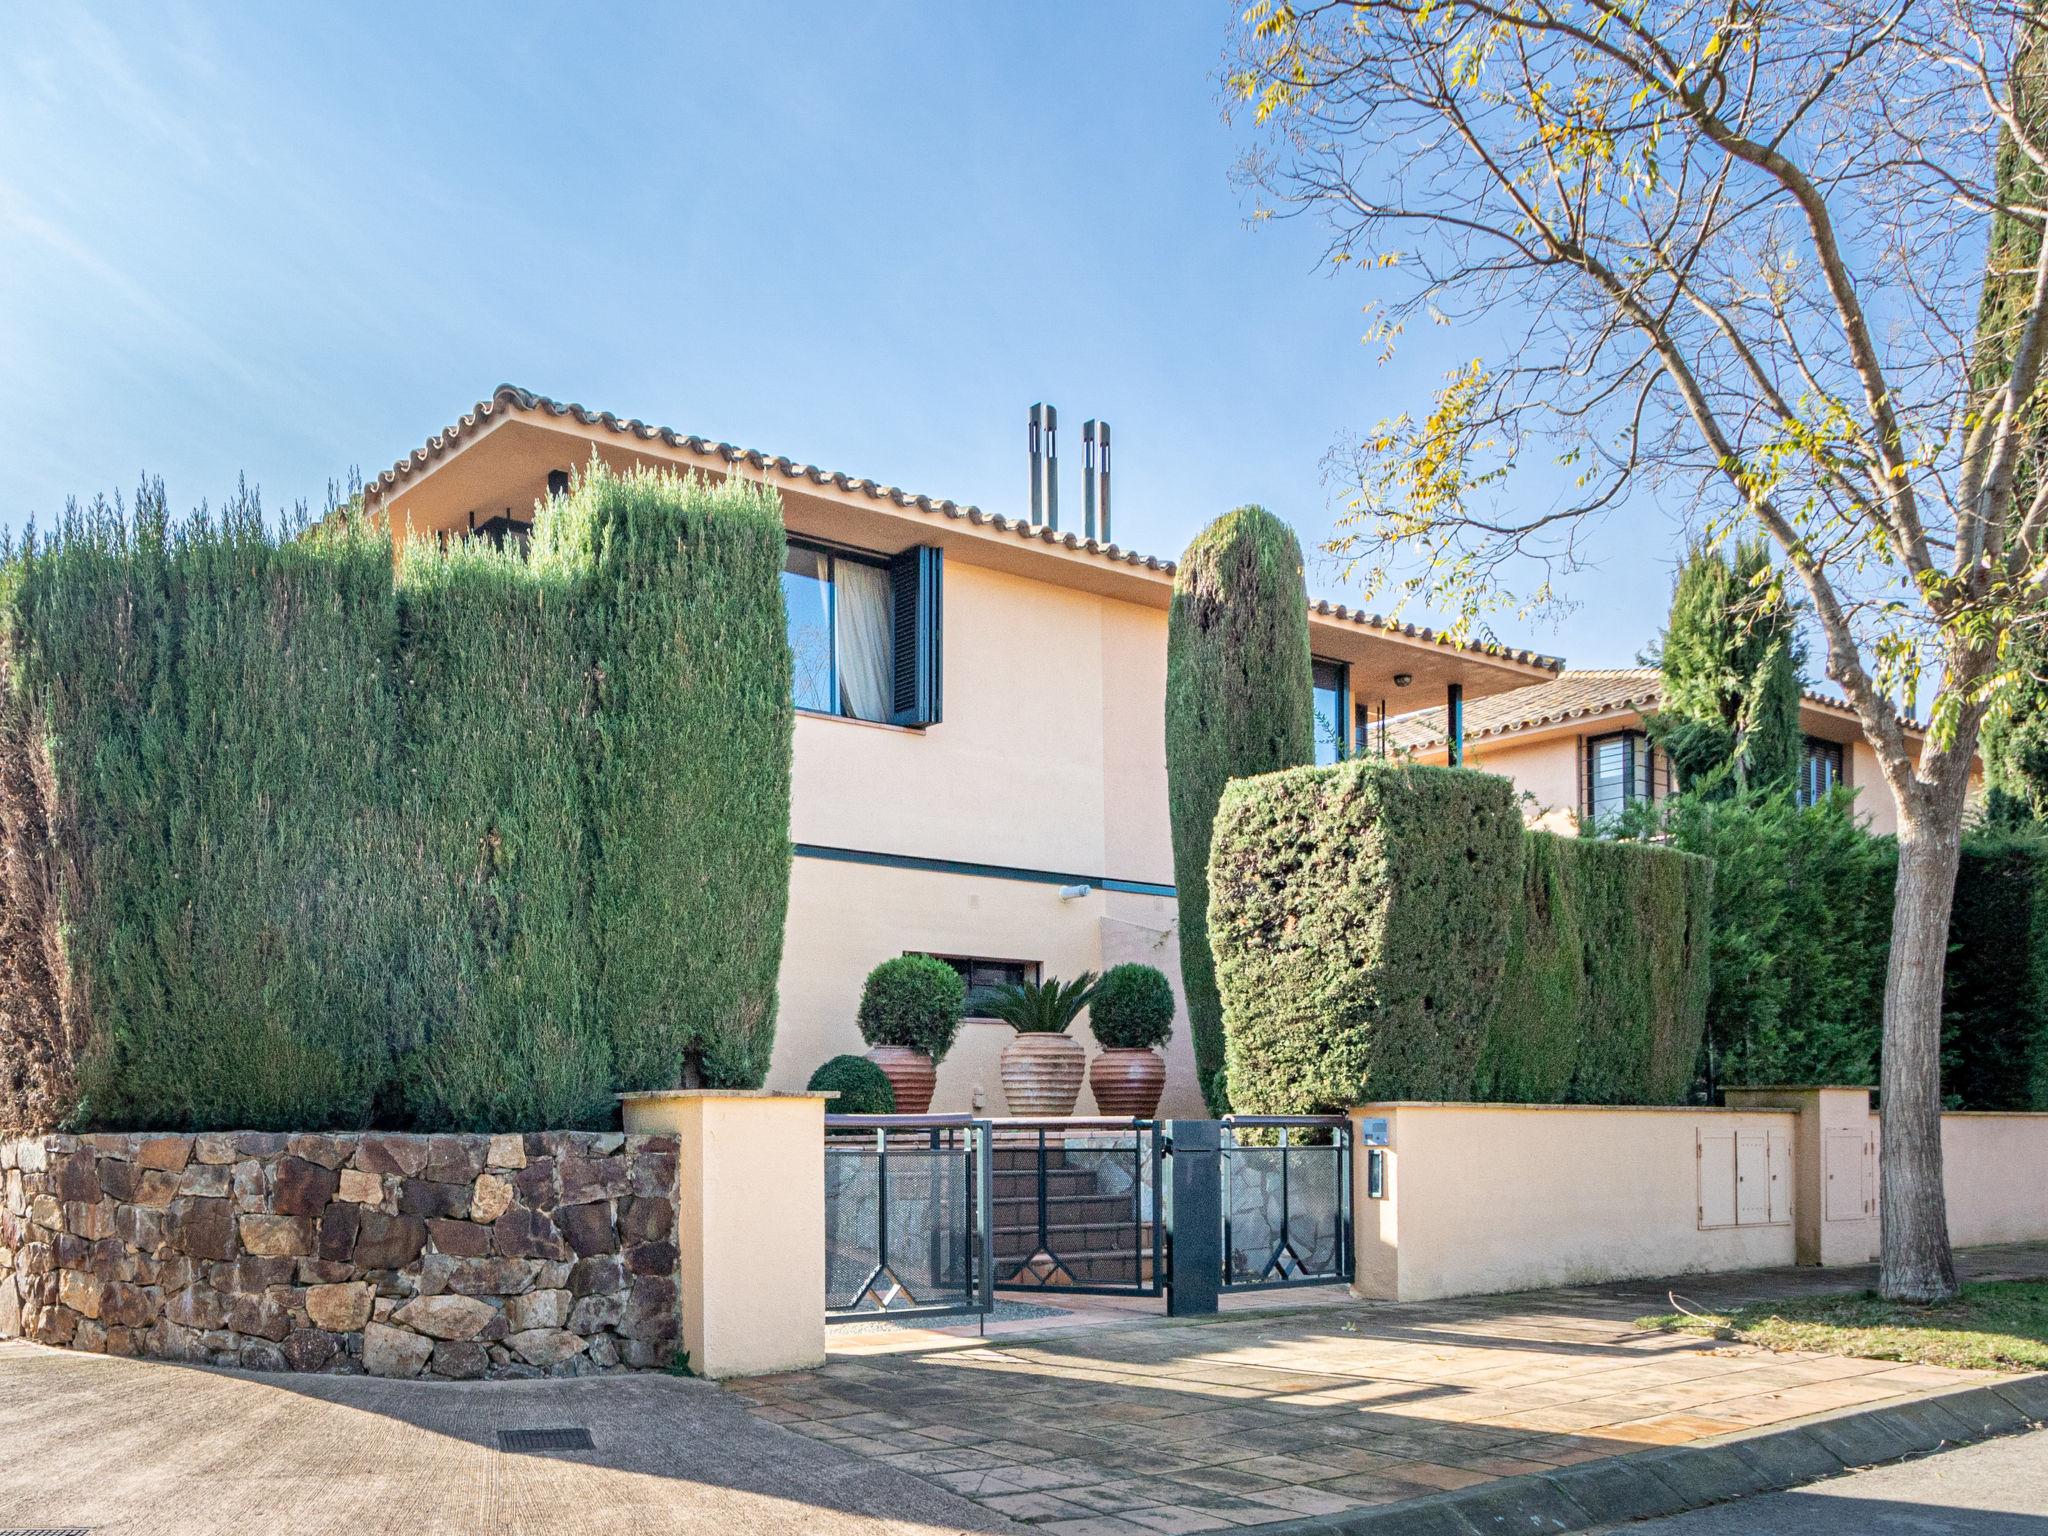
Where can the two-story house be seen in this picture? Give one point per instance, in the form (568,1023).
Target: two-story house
(980,766)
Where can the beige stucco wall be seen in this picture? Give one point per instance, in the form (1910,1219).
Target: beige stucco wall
(1487,1198)
(844,919)
(1995,1173)
(1051,757)
(1545,776)
(1546,769)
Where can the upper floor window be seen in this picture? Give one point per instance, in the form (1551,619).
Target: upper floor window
(1820,770)
(864,632)
(1617,775)
(1333,710)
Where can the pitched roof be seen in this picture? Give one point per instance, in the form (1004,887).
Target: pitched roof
(509,398)
(1575,695)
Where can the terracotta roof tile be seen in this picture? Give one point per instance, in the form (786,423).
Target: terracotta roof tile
(509,397)
(1579,694)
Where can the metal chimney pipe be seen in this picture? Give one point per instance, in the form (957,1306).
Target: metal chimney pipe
(1034,435)
(1102,472)
(1088,476)
(1052,468)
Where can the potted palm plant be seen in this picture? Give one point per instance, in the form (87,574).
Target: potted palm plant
(909,1013)
(1130,1014)
(1042,1067)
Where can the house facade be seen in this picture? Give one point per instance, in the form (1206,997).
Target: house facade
(980,767)
(1578,751)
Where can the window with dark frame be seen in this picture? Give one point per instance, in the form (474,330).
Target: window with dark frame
(864,632)
(1618,774)
(983,976)
(1820,770)
(1332,681)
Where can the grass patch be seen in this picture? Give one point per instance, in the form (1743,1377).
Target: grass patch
(2000,1325)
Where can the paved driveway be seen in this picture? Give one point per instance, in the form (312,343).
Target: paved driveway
(127,1447)
(1156,1426)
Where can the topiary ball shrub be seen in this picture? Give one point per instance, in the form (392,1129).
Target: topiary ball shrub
(862,1087)
(913,1001)
(1132,1009)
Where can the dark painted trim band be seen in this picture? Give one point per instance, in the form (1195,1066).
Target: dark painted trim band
(984,871)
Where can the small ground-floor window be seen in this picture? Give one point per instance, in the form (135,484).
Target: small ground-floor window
(983,976)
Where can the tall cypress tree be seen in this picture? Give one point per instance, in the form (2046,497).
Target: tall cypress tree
(1240,700)
(1731,663)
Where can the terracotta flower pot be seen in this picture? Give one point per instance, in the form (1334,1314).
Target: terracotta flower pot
(1042,1074)
(1127,1082)
(912,1074)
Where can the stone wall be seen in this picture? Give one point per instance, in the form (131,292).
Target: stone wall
(550,1253)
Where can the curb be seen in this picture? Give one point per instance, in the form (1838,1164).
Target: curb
(1645,1485)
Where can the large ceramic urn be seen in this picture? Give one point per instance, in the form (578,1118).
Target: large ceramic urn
(1042,1074)
(1127,1083)
(912,1074)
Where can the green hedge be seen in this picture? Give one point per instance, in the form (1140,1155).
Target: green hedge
(1240,700)
(1605,992)
(205,713)
(1360,916)
(1531,1050)
(1392,933)
(1801,932)
(284,847)
(1802,938)
(1994,1047)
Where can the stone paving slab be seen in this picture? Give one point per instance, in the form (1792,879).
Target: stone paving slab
(1310,1418)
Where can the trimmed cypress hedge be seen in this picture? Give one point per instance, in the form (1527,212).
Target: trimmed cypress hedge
(201,740)
(494,682)
(284,847)
(686,763)
(1645,917)
(1604,996)
(1392,933)
(1240,700)
(1361,916)
(1531,1050)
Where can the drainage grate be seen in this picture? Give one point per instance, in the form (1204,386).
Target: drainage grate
(574,1438)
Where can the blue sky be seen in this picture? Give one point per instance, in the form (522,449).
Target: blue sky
(283,241)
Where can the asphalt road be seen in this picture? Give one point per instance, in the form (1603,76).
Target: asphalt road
(1999,1488)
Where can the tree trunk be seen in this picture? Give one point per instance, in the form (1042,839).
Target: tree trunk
(1915,1264)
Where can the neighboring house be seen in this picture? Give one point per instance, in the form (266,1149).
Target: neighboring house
(1576,748)
(980,744)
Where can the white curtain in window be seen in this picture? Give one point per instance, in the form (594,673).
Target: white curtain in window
(866,642)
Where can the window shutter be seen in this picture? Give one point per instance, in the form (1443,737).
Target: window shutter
(915,580)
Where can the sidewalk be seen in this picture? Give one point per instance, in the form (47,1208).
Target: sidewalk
(1114,1425)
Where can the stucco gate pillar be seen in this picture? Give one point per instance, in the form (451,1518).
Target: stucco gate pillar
(750,1224)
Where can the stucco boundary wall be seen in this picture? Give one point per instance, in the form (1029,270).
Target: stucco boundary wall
(1995,1172)
(1483,1198)
(695,1239)
(1480,1198)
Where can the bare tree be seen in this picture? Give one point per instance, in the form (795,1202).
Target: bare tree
(1737,250)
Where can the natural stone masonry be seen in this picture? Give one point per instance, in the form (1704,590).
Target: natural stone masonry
(546,1254)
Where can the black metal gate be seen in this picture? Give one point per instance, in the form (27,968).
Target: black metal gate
(1077,1206)
(906,1216)
(1286,1197)
(930,1215)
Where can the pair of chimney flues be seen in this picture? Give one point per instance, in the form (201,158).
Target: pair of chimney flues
(1042,435)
